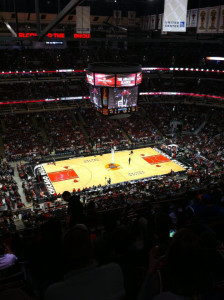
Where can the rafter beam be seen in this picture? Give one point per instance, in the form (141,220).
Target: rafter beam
(63,13)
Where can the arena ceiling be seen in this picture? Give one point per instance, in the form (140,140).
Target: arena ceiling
(101,7)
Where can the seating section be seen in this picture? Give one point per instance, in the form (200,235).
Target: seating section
(103,132)
(22,138)
(140,129)
(64,133)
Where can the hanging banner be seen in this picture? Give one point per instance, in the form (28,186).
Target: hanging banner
(153,22)
(188,18)
(160,20)
(117,17)
(143,23)
(213,15)
(202,20)
(221,20)
(131,18)
(193,18)
(83,19)
(147,23)
(175,15)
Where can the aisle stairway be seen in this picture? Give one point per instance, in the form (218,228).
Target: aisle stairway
(2,151)
(82,125)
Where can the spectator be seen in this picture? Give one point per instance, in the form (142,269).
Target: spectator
(184,273)
(85,279)
(75,208)
(7,259)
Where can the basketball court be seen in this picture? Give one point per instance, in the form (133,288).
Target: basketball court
(85,172)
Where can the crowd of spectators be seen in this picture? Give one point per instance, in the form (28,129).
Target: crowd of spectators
(198,84)
(189,117)
(33,90)
(140,130)
(64,133)
(9,195)
(130,226)
(125,248)
(156,54)
(103,132)
(21,137)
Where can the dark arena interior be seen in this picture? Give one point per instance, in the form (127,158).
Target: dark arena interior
(112,149)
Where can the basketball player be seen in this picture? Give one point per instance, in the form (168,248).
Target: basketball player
(129,160)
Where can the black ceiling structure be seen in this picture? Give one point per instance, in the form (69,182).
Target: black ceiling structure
(64,12)
(101,7)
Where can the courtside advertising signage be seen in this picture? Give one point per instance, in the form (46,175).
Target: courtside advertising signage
(105,80)
(125,80)
(82,35)
(139,78)
(90,78)
(51,35)
(175,15)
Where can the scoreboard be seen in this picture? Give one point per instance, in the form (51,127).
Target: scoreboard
(114,87)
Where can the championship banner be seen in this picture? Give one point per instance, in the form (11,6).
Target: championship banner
(117,17)
(213,15)
(188,18)
(83,19)
(175,15)
(153,22)
(160,21)
(202,20)
(131,18)
(194,18)
(221,20)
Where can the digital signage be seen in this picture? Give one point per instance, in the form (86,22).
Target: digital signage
(90,78)
(51,35)
(125,80)
(95,96)
(82,35)
(123,97)
(139,78)
(105,80)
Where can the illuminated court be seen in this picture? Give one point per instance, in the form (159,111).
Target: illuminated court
(84,172)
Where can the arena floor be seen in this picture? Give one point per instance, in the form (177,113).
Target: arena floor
(84,172)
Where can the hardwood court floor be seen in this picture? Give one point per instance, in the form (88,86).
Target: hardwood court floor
(84,172)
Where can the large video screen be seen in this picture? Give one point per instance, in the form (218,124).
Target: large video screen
(90,78)
(105,80)
(125,80)
(95,96)
(139,78)
(123,97)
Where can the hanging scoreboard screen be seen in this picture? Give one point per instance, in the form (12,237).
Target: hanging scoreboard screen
(95,96)
(123,97)
(139,78)
(114,87)
(90,78)
(125,80)
(105,80)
